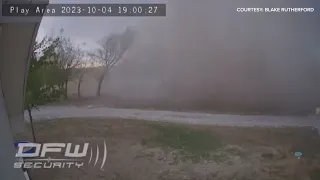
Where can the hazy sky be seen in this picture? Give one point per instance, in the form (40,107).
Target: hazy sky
(90,29)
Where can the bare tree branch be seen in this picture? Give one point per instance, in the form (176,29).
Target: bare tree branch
(111,50)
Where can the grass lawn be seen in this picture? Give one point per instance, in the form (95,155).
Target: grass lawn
(144,150)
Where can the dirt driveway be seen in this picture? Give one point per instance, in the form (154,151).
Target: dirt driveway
(52,112)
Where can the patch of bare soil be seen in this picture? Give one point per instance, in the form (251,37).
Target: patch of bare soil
(139,150)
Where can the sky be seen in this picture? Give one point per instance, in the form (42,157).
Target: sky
(89,29)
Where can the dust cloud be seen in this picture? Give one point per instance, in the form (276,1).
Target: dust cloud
(206,55)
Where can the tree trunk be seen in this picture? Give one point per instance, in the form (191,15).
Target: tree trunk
(66,89)
(66,80)
(100,83)
(79,84)
(31,123)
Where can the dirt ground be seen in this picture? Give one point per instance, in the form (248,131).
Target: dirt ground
(141,150)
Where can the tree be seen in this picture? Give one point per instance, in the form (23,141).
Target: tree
(69,57)
(111,50)
(81,71)
(80,80)
(42,84)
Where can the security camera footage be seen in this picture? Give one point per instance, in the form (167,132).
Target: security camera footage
(169,90)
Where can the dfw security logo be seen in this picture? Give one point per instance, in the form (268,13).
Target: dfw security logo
(35,155)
